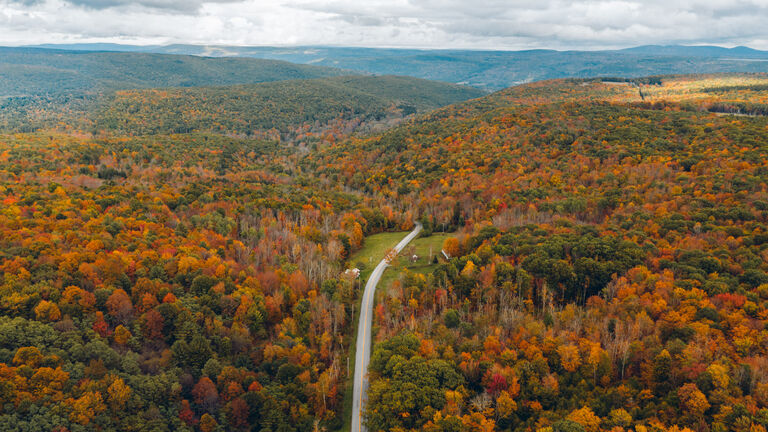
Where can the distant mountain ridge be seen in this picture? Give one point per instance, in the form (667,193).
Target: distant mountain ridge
(33,71)
(698,51)
(491,70)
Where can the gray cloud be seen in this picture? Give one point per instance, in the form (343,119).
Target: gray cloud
(510,24)
(184,6)
(580,23)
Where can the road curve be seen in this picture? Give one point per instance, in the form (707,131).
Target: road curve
(363,351)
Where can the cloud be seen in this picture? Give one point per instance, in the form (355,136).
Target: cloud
(181,6)
(498,24)
(570,23)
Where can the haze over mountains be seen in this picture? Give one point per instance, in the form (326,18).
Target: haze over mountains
(491,70)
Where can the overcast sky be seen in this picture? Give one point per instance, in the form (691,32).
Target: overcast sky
(486,24)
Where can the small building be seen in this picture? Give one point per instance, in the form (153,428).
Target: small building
(353,272)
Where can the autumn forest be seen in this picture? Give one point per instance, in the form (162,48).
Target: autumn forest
(173,259)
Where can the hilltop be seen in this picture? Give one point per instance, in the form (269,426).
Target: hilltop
(33,71)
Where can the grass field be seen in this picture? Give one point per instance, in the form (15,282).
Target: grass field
(426,248)
(373,251)
(376,246)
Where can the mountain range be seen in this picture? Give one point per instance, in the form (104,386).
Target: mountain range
(491,70)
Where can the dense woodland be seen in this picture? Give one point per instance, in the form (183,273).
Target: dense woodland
(609,268)
(609,271)
(172,283)
(36,71)
(295,111)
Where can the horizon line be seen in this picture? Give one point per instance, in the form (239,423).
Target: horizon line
(379,47)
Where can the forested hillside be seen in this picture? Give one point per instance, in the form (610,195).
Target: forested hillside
(31,71)
(172,283)
(610,269)
(167,265)
(289,106)
(607,267)
(286,110)
(486,69)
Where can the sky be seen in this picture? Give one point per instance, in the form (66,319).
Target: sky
(468,24)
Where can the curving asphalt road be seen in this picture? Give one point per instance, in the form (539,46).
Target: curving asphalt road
(363,354)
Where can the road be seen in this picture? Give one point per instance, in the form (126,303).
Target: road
(363,354)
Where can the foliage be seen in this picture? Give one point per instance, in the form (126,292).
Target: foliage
(182,291)
(609,268)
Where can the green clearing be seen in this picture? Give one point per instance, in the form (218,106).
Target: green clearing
(426,248)
(373,251)
(376,246)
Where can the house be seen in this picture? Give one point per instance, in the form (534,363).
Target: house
(354,273)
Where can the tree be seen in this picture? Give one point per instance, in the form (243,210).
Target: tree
(569,357)
(122,335)
(119,306)
(451,318)
(586,418)
(505,405)
(620,417)
(206,395)
(237,414)
(208,423)
(497,384)
(186,414)
(152,325)
(86,407)
(451,247)
(692,401)
(192,354)
(47,311)
(100,326)
(29,356)
(118,394)
(567,425)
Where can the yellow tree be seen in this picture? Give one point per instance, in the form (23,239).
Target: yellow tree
(207,423)
(122,335)
(47,311)
(505,405)
(692,400)
(118,394)
(585,417)
(569,357)
(86,407)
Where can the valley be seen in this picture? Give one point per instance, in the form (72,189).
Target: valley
(173,253)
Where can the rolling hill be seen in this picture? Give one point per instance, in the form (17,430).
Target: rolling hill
(489,69)
(279,110)
(606,245)
(31,71)
(608,266)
